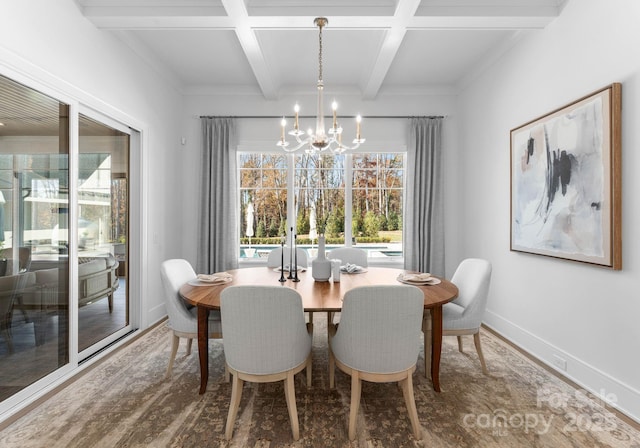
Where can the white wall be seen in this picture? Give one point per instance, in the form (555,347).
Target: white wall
(51,47)
(588,315)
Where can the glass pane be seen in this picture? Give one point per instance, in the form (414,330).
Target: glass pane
(378,182)
(263,203)
(102,232)
(320,200)
(34,235)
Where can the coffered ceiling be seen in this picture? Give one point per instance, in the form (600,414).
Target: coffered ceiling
(270,47)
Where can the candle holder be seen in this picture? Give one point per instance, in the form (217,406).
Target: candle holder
(282,279)
(295,259)
(290,277)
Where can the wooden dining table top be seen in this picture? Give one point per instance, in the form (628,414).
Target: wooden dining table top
(316,295)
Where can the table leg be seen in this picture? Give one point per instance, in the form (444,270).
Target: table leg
(436,345)
(203,346)
(426,331)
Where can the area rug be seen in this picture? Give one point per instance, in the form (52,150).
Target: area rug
(126,401)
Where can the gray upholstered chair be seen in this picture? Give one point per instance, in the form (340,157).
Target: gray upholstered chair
(274,260)
(378,340)
(183,321)
(351,255)
(464,315)
(265,340)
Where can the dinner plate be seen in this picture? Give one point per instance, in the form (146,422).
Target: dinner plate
(198,282)
(430,281)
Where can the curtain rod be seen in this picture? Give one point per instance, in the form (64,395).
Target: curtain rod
(313,116)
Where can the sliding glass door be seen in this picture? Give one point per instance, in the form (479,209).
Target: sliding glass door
(103,217)
(34,236)
(63,215)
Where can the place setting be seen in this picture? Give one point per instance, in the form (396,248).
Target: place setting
(211,279)
(352,269)
(419,279)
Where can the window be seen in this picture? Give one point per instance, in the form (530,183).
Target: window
(263,202)
(357,198)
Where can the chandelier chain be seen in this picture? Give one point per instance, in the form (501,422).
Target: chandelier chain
(320,55)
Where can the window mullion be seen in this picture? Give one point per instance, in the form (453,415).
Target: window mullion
(348,199)
(291,196)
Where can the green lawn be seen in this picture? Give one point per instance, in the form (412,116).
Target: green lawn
(395,235)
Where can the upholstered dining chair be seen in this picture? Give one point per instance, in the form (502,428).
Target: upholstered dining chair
(265,340)
(351,255)
(183,321)
(274,260)
(463,316)
(378,340)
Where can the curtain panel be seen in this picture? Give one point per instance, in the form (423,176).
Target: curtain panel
(218,236)
(424,210)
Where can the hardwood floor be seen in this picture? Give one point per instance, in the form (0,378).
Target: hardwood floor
(29,362)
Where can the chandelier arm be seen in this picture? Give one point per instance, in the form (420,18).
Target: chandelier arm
(294,149)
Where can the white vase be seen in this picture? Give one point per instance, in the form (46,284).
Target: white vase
(320,266)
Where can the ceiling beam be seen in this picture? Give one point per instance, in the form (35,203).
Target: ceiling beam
(390,46)
(249,43)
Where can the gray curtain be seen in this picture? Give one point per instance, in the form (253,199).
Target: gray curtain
(424,209)
(218,235)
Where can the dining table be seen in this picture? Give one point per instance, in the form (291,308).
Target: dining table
(318,296)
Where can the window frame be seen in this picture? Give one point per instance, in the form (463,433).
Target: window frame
(348,198)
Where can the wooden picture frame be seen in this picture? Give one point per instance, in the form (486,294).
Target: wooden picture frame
(566,182)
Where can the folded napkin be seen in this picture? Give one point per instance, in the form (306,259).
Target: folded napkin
(419,277)
(350,268)
(217,277)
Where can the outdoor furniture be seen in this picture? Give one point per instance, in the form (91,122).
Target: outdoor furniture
(12,287)
(97,279)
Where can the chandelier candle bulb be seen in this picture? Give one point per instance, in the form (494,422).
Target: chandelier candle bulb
(284,124)
(296,108)
(358,120)
(334,106)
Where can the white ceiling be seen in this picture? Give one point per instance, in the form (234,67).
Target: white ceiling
(271,46)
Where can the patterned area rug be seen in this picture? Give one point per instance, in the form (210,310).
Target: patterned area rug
(126,401)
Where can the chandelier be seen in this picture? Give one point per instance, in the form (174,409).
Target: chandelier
(320,140)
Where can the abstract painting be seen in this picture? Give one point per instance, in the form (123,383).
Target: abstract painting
(565,182)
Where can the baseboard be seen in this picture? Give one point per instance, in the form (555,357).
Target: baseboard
(616,394)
